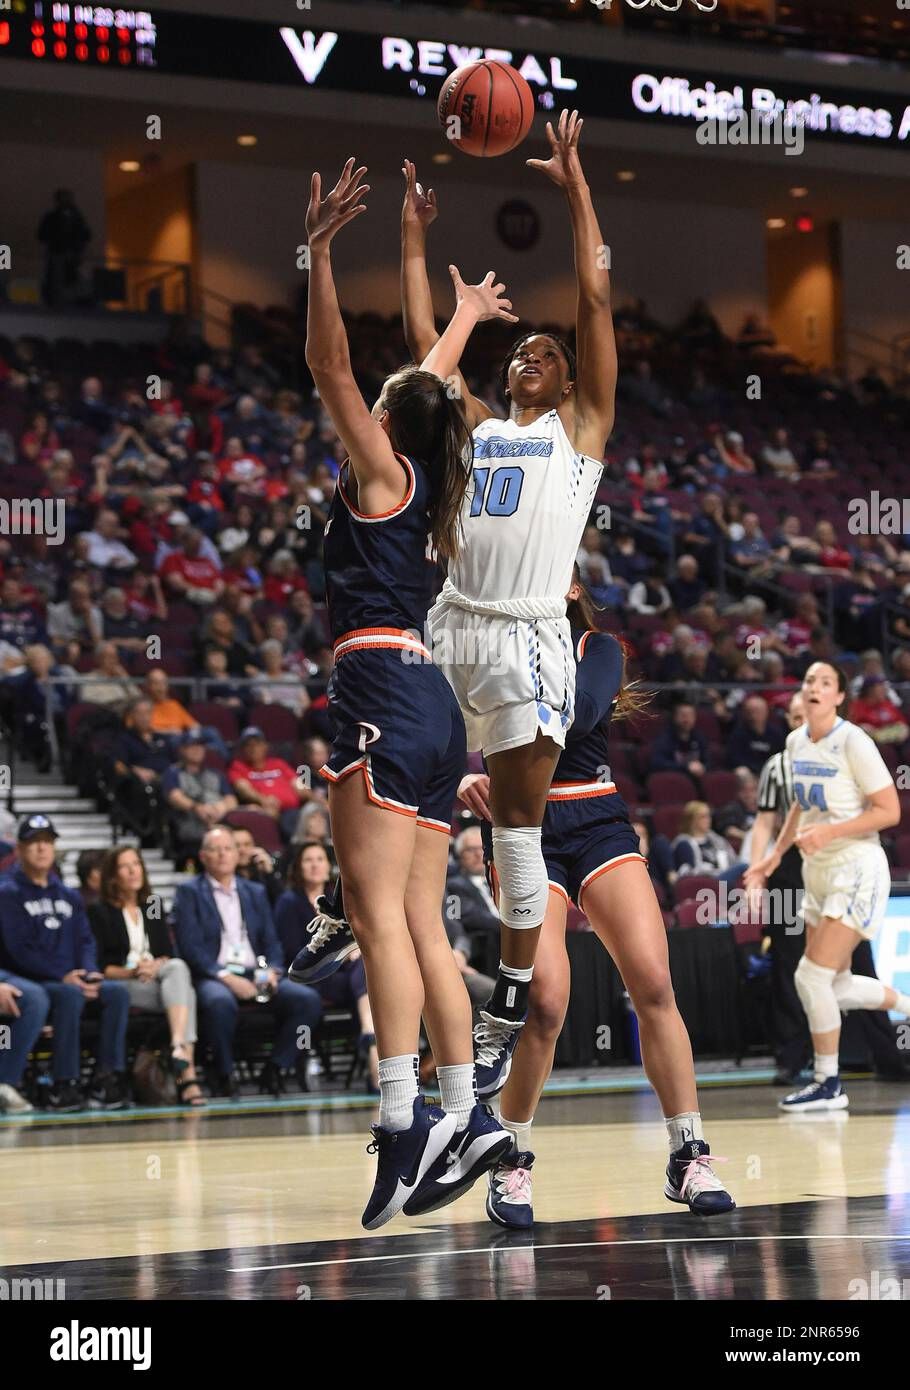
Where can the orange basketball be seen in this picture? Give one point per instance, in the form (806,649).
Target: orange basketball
(486,108)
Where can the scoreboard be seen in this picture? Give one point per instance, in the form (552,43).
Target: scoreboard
(90,34)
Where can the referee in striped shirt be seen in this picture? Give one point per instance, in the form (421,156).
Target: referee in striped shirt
(789,1030)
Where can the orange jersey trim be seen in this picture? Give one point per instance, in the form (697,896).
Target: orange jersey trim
(605,869)
(393,511)
(374,638)
(362,765)
(578,791)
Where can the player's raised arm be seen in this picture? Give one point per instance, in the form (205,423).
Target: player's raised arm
(473,304)
(327,353)
(595,393)
(418,211)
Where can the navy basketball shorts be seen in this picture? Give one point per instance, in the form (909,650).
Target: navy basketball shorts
(581,840)
(397,724)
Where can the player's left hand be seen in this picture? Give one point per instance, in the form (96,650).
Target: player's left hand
(813,838)
(485,299)
(564,165)
(474,791)
(326,217)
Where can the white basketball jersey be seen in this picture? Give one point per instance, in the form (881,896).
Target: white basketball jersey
(833,777)
(523,519)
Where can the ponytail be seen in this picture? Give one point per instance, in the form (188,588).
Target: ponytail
(632,702)
(430,425)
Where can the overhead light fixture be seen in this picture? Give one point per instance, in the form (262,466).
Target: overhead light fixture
(442,157)
(129,166)
(799,192)
(775,224)
(247,140)
(627,175)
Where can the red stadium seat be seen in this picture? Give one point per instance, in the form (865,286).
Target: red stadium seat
(720,787)
(902,851)
(666,787)
(279,724)
(688,915)
(666,820)
(690,885)
(263,829)
(220,717)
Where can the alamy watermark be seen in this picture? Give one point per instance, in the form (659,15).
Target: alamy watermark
(34,516)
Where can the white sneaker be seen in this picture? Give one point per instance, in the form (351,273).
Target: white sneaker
(11,1102)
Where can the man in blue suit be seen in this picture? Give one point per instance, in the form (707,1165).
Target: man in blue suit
(223,926)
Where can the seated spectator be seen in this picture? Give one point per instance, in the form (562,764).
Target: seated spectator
(172,719)
(732,453)
(735,820)
(240,467)
(32,693)
(309,873)
(831,554)
(189,574)
(315,753)
(279,687)
(134,948)
(219,687)
(790,546)
(269,784)
(307,631)
(108,683)
(875,713)
(793,633)
(593,565)
(648,596)
(698,849)
(752,552)
(706,536)
(143,757)
(256,864)
(821,648)
(680,747)
(24,1007)
(106,550)
(220,632)
(686,588)
(198,797)
(871,666)
(119,625)
(313,823)
(627,563)
(88,872)
(782,686)
(755,736)
(778,459)
(754,335)
(284,578)
(75,626)
(45,940)
(468,894)
(21,623)
(224,927)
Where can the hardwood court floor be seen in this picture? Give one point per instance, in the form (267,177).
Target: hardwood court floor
(266,1206)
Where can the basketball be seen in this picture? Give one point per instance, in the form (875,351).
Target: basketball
(492,106)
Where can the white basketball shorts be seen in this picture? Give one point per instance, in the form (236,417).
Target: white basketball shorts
(513,678)
(853,887)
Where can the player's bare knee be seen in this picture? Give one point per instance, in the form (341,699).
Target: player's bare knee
(653,995)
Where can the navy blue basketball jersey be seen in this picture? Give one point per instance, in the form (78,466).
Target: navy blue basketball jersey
(583,767)
(378,574)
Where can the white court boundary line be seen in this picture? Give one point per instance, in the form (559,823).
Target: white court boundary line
(568,1245)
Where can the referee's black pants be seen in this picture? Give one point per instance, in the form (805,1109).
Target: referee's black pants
(790,1039)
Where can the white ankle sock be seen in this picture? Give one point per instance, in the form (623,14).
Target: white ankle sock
(520,1131)
(826,1065)
(397,1091)
(682,1129)
(459,1091)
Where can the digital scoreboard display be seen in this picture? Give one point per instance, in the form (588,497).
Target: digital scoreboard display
(89,34)
(241,50)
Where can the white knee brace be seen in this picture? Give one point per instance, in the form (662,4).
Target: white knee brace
(522,874)
(858,992)
(815,987)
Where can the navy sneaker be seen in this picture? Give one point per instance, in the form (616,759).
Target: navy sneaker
(818,1095)
(494,1043)
(471,1152)
(509,1195)
(331,942)
(404,1158)
(692,1181)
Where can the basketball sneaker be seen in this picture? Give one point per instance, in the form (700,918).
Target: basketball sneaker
(405,1156)
(494,1043)
(818,1095)
(471,1152)
(509,1194)
(331,942)
(692,1181)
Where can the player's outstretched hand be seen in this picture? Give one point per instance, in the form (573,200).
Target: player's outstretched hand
(326,217)
(474,791)
(564,166)
(485,298)
(418,207)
